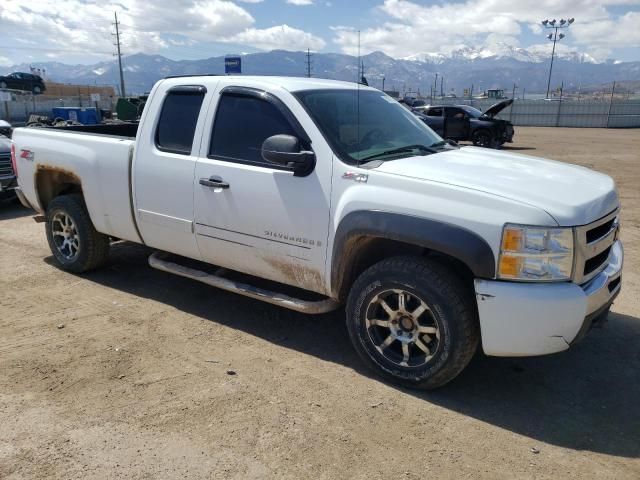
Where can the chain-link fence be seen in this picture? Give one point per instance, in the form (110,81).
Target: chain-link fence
(616,113)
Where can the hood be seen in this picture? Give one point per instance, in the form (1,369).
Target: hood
(571,194)
(495,109)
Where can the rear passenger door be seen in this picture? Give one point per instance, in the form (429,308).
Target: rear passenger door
(261,220)
(166,154)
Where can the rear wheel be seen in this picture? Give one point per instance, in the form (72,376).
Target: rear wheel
(73,239)
(483,138)
(3,85)
(37,90)
(413,321)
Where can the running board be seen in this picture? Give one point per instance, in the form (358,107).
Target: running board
(158,261)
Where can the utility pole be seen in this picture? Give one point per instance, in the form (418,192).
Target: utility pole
(119,54)
(308,63)
(383,83)
(435,84)
(441,87)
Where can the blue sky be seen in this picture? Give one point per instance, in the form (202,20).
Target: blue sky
(79,31)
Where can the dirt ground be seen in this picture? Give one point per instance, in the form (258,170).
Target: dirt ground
(129,372)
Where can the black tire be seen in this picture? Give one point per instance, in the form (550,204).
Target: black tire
(3,85)
(92,249)
(37,90)
(484,138)
(452,311)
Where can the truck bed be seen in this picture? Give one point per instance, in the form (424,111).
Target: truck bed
(93,156)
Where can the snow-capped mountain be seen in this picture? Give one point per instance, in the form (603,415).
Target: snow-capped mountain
(493,66)
(501,51)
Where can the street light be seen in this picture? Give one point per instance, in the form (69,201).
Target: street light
(555,36)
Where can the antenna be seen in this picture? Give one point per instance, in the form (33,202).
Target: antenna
(358,100)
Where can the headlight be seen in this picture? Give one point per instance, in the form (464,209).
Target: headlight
(536,253)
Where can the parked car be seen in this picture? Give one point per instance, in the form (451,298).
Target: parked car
(462,122)
(7,177)
(27,82)
(5,128)
(432,248)
(414,102)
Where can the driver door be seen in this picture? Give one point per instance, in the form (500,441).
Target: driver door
(456,123)
(254,216)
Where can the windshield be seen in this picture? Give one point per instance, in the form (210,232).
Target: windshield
(368,128)
(473,112)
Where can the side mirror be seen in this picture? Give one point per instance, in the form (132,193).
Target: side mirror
(285,150)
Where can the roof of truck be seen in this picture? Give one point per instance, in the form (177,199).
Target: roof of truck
(292,84)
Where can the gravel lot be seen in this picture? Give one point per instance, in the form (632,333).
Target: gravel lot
(129,372)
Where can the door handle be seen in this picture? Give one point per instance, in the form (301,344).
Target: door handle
(214,181)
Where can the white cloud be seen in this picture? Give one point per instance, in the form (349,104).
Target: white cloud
(5,62)
(64,28)
(279,37)
(410,28)
(300,2)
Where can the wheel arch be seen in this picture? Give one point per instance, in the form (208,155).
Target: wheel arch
(51,182)
(364,238)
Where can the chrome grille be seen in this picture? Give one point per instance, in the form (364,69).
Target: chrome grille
(5,165)
(593,245)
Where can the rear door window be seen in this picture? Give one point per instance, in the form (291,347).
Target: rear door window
(178,120)
(435,112)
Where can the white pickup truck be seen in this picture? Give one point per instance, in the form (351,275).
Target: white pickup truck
(312,194)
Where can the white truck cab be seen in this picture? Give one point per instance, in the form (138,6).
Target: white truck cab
(312,194)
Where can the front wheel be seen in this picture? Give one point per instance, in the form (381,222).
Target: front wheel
(483,138)
(37,90)
(72,238)
(3,85)
(413,321)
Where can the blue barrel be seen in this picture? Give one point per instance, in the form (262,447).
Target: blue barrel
(86,116)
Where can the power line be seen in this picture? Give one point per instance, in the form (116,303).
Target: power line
(117,44)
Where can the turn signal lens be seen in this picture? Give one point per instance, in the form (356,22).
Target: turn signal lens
(509,266)
(512,240)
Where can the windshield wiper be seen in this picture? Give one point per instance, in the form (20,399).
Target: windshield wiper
(441,143)
(408,148)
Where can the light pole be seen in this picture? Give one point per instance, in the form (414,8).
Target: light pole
(555,36)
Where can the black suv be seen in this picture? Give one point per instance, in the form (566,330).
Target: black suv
(462,122)
(23,81)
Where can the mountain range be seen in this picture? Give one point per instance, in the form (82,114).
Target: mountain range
(497,66)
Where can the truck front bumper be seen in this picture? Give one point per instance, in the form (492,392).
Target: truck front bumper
(525,319)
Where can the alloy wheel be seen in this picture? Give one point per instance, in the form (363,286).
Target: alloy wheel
(65,235)
(403,328)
